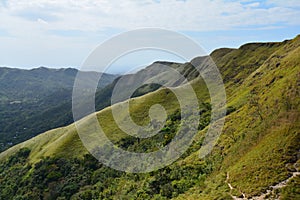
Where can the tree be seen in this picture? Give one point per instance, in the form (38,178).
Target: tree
(254,102)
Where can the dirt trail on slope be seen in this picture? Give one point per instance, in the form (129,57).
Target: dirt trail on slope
(267,193)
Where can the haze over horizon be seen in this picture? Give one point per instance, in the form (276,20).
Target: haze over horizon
(48,33)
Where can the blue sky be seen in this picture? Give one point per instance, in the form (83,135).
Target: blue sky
(62,33)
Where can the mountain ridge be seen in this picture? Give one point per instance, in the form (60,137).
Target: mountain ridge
(258,147)
(29,101)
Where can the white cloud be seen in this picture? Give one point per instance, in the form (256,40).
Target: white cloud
(45,24)
(193,15)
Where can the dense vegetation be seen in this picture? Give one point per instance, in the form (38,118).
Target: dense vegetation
(86,178)
(259,146)
(37,100)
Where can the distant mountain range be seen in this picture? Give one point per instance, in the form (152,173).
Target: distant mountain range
(33,101)
(37,100)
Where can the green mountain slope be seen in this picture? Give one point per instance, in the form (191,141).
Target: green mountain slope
(38,100)
(258,148)
(260,143)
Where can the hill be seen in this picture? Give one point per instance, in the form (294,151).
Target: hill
(33,101)
(257,150)
(40,99)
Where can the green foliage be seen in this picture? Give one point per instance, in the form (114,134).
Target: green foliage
(164,136)
(34,101)
(259,143)
(205,112)
(230,109)
(292,190)
(55,177)
(63,178)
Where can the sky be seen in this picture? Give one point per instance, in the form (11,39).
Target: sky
(62,33)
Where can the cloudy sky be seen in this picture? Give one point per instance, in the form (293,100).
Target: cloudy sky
(62,33)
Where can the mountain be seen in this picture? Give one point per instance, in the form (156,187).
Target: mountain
(33,101)
(40,99)
(256,156)
(35,84)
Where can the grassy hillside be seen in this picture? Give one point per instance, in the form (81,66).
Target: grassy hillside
(258,148)
(260,143)
(37,100)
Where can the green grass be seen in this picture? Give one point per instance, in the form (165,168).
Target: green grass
(259,140)
(254,151)
(292,190)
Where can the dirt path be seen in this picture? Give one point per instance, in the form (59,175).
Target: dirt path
(267,193)
(231,188)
